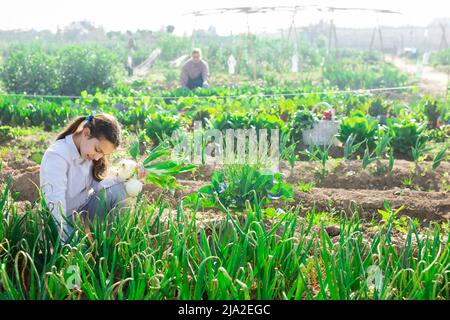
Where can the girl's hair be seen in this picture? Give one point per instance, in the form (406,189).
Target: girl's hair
(102,126)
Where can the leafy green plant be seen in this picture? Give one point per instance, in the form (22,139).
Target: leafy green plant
(378,107)
(439,157)
(239,184)
(390,217)
(440,134)
(419,150)
(362,128)
(322,218)
(306,186)
(231,121)
(354,74)
(288,150)
(407,182)
(321,154)
(303,119)
(266,121)
(350,147)
(383,142)
(133,149)
(202,115)
(391,159)
(160,126)
(368,158)
(406,135)
(6,133)
(431,110)
(379,153)
(441,58)
(67,71)
(194,259)
(160,170)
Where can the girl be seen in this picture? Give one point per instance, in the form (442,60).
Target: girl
(73,170)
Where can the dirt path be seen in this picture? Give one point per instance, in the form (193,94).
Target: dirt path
(433,81)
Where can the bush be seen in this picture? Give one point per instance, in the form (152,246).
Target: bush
(31,72)
(441,58)
(70,71)
(356,75)
(85,68)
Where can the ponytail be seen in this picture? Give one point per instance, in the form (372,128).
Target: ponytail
(71,128)
(102,126)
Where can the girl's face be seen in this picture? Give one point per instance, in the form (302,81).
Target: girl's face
(92,148)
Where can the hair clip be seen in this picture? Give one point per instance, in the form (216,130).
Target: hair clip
(89,117)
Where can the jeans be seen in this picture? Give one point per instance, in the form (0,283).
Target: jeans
(195,83)
(99,204)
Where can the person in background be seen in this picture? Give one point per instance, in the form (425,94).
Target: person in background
(131,48)
(195,71)
(130,65)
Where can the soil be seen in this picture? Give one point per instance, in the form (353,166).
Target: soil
(24,181)
(425,206)
(350,175)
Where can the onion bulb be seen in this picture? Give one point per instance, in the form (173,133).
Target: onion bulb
(127,168)
(133,187)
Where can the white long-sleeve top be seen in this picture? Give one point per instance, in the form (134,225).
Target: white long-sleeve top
(66,179)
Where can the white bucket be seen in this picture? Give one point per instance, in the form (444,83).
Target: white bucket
(323,133)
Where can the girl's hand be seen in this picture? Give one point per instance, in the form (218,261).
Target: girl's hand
(141,172)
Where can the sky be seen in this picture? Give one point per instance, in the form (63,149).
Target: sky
(152,15)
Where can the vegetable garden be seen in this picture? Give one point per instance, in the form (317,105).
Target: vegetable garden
(365,216)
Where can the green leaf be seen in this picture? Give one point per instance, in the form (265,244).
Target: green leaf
(134,150)
(37,157)
(439,157)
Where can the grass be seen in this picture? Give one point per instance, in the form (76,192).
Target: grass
(153,252)
(408,182)
(322,218)
(306,186)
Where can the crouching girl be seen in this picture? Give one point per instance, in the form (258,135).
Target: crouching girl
(73,171)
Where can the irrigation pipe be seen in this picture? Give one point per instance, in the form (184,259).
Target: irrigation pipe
(217,96)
